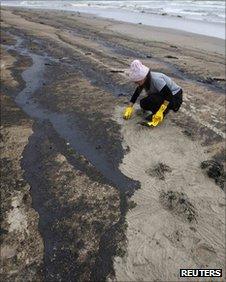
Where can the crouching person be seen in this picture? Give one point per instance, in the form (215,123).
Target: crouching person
(162,94)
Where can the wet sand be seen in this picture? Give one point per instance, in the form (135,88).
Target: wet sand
(111,200)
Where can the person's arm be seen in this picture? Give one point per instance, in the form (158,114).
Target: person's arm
(129,109)
(136,95)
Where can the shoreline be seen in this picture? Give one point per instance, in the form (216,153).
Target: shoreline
(102,187)
(216,30)
(152,33)
(193,26)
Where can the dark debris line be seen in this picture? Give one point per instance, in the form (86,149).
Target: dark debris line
(61,265)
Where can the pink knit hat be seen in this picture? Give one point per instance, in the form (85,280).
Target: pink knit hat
(137,71)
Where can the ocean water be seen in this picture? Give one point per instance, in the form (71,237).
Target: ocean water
(202,17)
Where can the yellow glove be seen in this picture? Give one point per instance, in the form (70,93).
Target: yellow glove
(128,112)
(158,117)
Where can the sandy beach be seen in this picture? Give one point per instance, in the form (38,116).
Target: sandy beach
(86,195)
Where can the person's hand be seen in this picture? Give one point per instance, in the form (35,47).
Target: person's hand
(128,112)
(157,118)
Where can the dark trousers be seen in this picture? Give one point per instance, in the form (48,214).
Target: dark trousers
(154,101)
